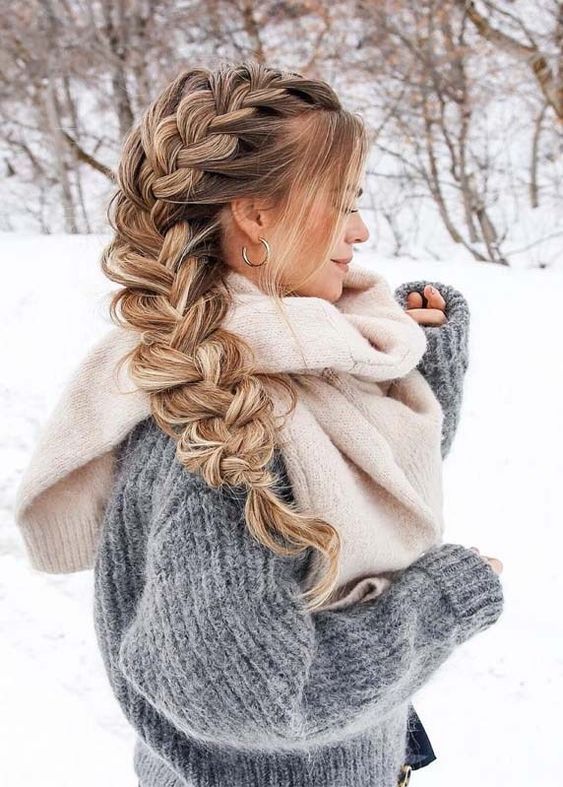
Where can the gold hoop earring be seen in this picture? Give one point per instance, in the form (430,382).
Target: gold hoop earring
(264,261)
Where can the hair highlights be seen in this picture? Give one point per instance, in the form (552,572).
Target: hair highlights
(210,137)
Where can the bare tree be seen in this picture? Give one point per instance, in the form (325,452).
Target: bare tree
(526,45)
(460,98)
(416,56)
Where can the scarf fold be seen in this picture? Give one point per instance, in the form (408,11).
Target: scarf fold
(362,447)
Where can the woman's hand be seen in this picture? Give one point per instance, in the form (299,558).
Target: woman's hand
(495,564)
(431,314)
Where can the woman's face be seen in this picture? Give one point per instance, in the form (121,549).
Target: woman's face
(250,219)
(326,282)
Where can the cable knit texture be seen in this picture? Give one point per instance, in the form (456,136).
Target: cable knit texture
(224,675)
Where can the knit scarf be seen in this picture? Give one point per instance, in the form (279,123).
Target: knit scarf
(361,449)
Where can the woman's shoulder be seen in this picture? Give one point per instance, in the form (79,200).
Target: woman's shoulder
(160,509)
(153,483)
(151,452)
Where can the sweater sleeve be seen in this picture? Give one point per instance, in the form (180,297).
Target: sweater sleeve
(220,644)
(446,358)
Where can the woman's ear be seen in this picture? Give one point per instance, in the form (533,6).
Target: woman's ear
(251,216)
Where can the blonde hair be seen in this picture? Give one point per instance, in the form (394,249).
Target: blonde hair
(212,136)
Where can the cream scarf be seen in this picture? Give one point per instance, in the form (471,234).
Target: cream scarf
(362,448)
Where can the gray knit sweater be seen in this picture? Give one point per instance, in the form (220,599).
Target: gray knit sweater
(447,354)
(226,678)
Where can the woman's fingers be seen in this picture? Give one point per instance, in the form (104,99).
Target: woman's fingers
(427,316)
(494,562)
(414,300)
(434,296)
(433,312)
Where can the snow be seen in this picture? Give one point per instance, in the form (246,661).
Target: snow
(490,711)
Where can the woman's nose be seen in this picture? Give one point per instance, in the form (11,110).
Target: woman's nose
(359,233)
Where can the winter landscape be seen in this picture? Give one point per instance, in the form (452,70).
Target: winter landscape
(464,187)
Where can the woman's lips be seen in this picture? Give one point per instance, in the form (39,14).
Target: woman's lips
(343,265)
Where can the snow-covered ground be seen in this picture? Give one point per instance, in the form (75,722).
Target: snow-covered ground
(491,711)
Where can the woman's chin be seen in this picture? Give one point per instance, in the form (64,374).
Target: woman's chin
(328,286)
(334,289)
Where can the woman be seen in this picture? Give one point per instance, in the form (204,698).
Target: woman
(226,674)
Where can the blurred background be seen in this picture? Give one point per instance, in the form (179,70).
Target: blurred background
(464,100)
(464,185)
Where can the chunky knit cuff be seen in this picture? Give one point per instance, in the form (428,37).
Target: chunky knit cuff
(446,357)
(468,582)
(450,340)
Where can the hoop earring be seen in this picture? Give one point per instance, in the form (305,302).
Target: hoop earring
(264,261)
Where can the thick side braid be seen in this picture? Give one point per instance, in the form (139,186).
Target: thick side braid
(208,138)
